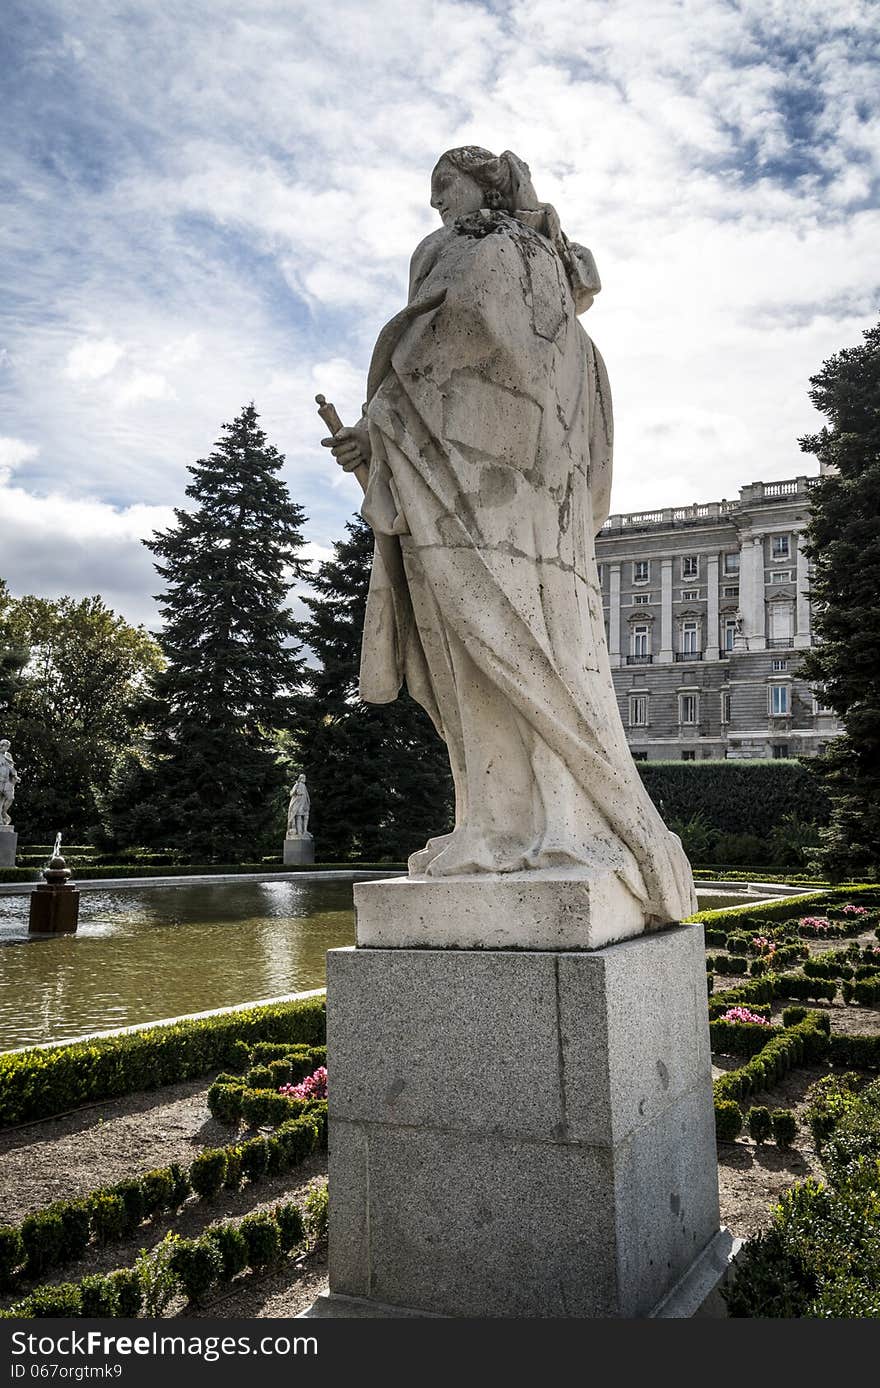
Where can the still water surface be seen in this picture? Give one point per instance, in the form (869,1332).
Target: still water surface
(145,953)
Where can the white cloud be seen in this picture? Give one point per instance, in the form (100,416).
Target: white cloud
(143,385)
(93,358)
(14,452)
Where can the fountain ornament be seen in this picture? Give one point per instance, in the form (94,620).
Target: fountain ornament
(54,908)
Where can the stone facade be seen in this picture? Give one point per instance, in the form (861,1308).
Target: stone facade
(707,610)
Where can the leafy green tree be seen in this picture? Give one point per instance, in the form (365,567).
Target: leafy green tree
(844,548)
(71,674)
(211,784)
(378,773)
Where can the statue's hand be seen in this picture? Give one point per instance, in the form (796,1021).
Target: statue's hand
(350,447)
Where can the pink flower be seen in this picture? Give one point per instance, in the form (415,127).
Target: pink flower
(742,1014)
(851,910)
(312,1087)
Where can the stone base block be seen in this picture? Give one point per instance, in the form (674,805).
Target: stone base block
(697,1294)
(53,910)
(301,850)
(545,910)
(520,1134)
(8,846)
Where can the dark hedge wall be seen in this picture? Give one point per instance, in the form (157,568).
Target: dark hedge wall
(736,797)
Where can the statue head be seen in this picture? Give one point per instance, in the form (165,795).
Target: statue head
(470,177)
(4,745)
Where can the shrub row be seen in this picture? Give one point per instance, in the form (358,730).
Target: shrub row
(865,991)
(44,1081)
(196,1266)
(756,990)
(61,1232)
(126,870)
(861,1051)
(787,908)
(802,986)
(806,1040)
(740,1038)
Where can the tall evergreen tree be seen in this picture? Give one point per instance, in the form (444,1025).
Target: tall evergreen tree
(844,548)
(233,659)
(378,773)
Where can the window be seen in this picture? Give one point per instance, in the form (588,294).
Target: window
(640,639)
(688,708)
(781,576)
(689,756)
(731,562)
(730,591)
(690,566)
(781,623)
(690,595)
(780,750)
(729,633)
(690,635)
(780,547)
(779,700)
(638,710)
(600,573)
(641,570)
(725,705)
(641,599)
(780,665)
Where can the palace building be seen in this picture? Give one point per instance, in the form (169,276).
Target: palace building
(707,610)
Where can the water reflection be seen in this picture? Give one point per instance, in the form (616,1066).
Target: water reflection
(146,953)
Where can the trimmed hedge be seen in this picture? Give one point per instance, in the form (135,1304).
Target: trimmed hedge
(197,1264)
(730,794)
(44,1081)
(864,991)
(807,1040)
(863,1052)
(127,870)
(740,1038)
(60,1233)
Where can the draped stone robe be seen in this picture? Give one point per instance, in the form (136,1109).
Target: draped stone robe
(491,433)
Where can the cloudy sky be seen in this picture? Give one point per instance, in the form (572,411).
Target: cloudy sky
(215,201)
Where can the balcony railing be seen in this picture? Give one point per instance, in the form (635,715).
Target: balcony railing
(639,659)
(779,643)
(681,656)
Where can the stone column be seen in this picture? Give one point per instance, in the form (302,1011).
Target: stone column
(803,636)
(665,612)
(614,614)
(711,651)
(752,603)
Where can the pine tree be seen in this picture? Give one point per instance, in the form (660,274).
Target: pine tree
(233,659)
(844,548)
(378,774)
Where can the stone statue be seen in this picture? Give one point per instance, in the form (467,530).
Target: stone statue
(298,811)
(9,778)
(485,454)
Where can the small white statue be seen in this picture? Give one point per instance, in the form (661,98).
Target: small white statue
(9,778)
(298,811)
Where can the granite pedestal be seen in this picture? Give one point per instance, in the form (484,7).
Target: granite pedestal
(299,850)
(8,845)
(520,1133)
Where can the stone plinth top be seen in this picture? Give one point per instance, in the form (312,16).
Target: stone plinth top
(541,910)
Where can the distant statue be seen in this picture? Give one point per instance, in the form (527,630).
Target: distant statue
(9,778)
(298,810)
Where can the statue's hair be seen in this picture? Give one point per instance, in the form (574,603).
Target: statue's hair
(503,178)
